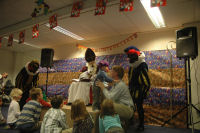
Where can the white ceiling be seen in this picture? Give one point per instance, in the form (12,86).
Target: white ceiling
(95,28)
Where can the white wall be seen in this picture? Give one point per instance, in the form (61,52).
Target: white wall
(7,63)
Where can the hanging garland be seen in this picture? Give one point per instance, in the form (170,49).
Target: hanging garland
(111,47)
(125,5)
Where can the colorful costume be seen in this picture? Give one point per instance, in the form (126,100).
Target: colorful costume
(139,82)
(26,79)
(101,76)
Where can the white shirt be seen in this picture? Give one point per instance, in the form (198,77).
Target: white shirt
(13,112)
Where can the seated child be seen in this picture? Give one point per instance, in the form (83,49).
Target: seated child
(2,119)
(83,122)
(109,121)
(55,119)
(43,100)
(14,108)
(101,76)
(29,118)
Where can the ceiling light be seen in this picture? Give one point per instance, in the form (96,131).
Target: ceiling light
(66,32)
(154,14)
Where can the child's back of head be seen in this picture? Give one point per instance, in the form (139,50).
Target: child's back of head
(78,110)
(35,93)
(107,108)
(57,102)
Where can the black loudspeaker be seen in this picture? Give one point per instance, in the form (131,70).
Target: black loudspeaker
(187,43)
(47,57)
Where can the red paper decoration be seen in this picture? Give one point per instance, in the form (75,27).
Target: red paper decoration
(10,40)
(35,31)
(21,37)
(100,7)
(111,47)
(53,21)
(126,5)
(0,41)
(157,3)
(76,9)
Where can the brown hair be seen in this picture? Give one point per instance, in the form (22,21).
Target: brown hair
(107,108)
(119,70)
(78,110)
(34,92)
(56,101)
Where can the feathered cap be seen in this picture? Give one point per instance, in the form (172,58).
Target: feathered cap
(132,50)
(90,55)
(103,63)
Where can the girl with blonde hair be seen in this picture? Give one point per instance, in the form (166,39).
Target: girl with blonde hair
(14,109)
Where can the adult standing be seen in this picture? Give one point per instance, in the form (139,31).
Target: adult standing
(139,82)
(119,94)
(27,79)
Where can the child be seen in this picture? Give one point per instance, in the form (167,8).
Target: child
(55,119)
(109,121)
(101,76)
(83,122)
(43,100)
(2,120)
(29,118)
(14,109)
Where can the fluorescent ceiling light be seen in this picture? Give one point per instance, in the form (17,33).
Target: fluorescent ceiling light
(153,13)
(15,40)
(66,32)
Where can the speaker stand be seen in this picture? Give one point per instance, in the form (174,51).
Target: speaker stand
(189,106)
(47,81)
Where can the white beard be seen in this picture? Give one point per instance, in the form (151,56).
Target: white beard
(92,68)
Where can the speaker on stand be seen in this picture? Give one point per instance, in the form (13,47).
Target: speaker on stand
(47,61)
(187,48)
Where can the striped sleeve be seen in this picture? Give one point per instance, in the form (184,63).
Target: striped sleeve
(144,80)
(38,109)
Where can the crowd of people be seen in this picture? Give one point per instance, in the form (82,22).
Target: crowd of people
(113,100)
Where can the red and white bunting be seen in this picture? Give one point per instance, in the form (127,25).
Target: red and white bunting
(76,9)
(35,31)
(126,5)
(100,7)
(21,37)
(10,40)
(53,21)
(157,3)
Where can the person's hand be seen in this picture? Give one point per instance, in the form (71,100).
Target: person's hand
(111,84)
(100,84)
(5,75)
